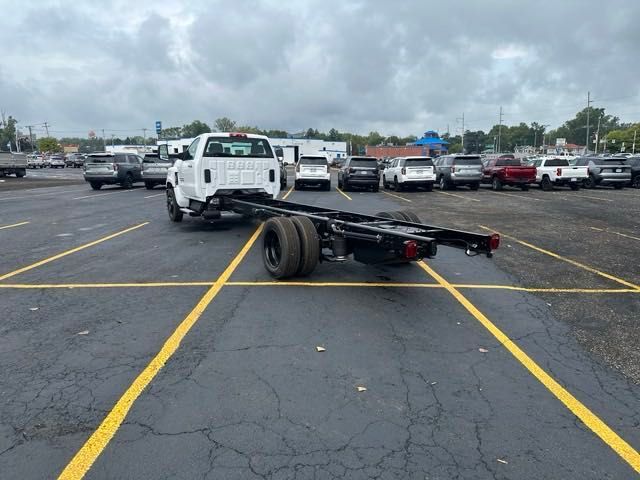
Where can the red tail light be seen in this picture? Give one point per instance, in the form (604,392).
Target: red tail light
(559,172)
(403,171)
(494,241)
(410,249)
(239,135)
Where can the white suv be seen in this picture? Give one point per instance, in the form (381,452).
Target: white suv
(313,170)
(409,171)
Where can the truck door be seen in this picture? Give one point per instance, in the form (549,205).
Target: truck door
(187,171)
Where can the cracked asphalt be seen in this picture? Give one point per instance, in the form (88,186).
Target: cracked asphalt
(246,395)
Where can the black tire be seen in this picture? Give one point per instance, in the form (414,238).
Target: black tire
(397,186)
(96,185)
(327,187)
(149,185)
(496,184)
(392,215)
(409,216)
(345,185)
(589,182)
(340,184)
(280,247)
(474,186)
(175,214)
(127,183)
(574,186)
(309,245)
(19,173)
(429,187)
(385,184)
(297,186)
(376,188)
(636,182)
(443,183)
(525,188)
(546,184)
(618,186)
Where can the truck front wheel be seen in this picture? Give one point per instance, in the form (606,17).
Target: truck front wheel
(175,214)
(280,247)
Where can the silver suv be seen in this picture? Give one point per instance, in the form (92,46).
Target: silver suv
(604,171)
(454,170)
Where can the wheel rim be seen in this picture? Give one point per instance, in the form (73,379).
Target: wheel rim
(441,183)
(272,249)
(495,183)
(170,202)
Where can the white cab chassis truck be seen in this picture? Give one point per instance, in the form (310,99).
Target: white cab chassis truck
(552,171)
(238,172)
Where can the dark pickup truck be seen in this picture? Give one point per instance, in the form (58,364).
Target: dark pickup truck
(508,171)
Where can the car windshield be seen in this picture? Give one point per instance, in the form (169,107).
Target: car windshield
(468,161)
(364,162)
(312,161)
(419,162)
(507,162)
(237,146)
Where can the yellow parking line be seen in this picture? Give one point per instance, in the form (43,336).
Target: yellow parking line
(593,422)
(69,252)
(14,225)
(100,438)
(344,194)
(332,284)
(397,196)
(102,194)
(35,286)
(547,290)
(458,196)
(156,195)
(288,193)
(615,233)
(567,260)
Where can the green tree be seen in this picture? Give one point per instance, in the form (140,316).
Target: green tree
(249,129)
(49,144)
(171,132)
(8,134)
(575,130)
(334,135)
(225,124)
(194,129)
(277,134)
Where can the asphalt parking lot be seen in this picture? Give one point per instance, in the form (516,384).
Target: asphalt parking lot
(137,348)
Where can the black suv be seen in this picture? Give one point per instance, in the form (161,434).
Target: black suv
(634,163)
(359,172)
(108,169)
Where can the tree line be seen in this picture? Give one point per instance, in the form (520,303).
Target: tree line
(618,135)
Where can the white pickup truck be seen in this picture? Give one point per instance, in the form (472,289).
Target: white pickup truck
(552,172)
(217,167)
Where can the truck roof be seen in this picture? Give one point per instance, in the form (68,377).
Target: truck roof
(233,134)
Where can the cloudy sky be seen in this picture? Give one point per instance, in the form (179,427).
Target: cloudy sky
(397,67)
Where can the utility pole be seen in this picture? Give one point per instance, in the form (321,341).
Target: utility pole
(463,132)
(112,136)
(589,102)
(633,151)
(46,127)
(500,132)
(30,136)
(597,135)
(104,142)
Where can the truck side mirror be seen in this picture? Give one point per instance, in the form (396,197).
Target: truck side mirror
(163,152)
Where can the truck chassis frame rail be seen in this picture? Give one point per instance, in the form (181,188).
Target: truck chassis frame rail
(297,236)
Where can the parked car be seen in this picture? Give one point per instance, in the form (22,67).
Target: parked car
(35,161)
(605,171)
(359,172)
(283,174)
(56,161)
(312,170)
(405,172)
(124,169)
(634,163)
(154,170)
(455,170)
(552,172)
(74,160)
(46,160)
(508,170)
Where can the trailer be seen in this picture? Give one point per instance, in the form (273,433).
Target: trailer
(13,164)
(239,172)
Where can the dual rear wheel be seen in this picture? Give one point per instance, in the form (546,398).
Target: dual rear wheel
(290,246)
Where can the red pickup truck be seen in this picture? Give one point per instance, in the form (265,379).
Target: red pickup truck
(508,171)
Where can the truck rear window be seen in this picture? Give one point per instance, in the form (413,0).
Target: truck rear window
(608,161)
(557,162)
(468,161)
(507,162)
(312,161)
(364,162)
(238,147)
(419,162)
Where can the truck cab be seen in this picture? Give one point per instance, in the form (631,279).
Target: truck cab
(217,166)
